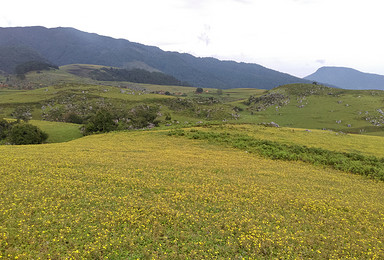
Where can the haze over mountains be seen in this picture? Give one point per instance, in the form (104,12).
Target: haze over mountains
(347,78)
(62,46)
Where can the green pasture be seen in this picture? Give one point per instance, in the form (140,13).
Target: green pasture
(58,132)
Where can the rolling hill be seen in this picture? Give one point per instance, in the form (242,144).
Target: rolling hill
(210,182)
(347,78)
(296,105)
(62,46)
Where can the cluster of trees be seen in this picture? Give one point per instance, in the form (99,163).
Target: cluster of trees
(136,75)
(99,117)
(26,67)
(106,120)
(20,133)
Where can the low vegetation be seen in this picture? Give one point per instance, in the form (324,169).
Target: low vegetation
(18,133)
(101,197)
(107,120)
(228,174)
(349,162)
(135,75)
(318,107)
(29,66)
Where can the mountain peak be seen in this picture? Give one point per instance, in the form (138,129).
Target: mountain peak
(347,78)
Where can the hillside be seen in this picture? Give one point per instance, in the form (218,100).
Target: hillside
(298,105)
(319,107)
(62,46)
(347,78)
(148,195)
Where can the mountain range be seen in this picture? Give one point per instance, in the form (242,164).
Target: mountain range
(63,46)
(347,78)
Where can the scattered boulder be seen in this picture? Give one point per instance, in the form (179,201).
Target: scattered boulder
(263,102)
(271,124)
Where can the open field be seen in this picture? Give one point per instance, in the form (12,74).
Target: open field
(325,139)
(144,194)
(58,132)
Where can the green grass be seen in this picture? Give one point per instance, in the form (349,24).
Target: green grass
(323,110)
(349,162)
(26,96)
(241,94)
(58,132)
(325,139)
(322,107)
(147,195)
(234,191)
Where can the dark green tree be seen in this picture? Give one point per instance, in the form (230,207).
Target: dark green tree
(23,133)
(4,128)
(101,122)
(142,116)
(26,67)
(199,90)
(72,117)
(168,117)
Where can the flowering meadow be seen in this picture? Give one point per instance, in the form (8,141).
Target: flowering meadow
(147,195)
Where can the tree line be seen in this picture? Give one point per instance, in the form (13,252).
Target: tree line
(137,76)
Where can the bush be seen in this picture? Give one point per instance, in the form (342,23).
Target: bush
(143,116)
(72,117)
(199,90)
(4,128)
(101,122)
(23,133)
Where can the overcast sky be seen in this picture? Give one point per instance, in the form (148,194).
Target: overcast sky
(292,36)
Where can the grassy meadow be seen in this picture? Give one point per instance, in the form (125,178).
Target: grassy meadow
(58,132)
(325,139)
(210,183)
(145,194)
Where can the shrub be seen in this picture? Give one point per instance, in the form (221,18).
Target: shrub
(101,122)
(199,90)
(72,117)
(23,133)
(143,116)
(4,128)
